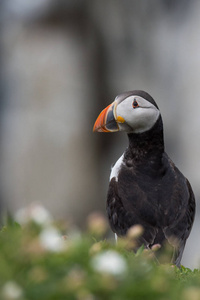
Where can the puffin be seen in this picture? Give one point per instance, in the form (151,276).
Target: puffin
(145,186)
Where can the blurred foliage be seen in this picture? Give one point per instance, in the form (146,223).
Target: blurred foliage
(38,262)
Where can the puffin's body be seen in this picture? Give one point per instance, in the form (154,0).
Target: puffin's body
(145,186)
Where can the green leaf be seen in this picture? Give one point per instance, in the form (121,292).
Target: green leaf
(140,251)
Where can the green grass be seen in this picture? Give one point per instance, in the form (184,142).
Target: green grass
(85,266)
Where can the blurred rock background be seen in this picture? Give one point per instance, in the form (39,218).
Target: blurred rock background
(62,61)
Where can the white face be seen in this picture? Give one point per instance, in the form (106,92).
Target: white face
(139,114)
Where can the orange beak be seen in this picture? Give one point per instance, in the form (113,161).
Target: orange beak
(106,121)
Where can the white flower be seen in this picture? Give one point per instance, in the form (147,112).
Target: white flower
(34,212)
(109,262)
(51,239)
(12,291)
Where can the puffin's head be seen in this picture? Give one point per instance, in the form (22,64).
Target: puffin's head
(134,111)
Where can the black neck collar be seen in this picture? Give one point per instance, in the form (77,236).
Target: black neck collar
(148,145)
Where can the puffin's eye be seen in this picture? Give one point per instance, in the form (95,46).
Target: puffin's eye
(135,103)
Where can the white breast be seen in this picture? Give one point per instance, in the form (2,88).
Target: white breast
(116,168)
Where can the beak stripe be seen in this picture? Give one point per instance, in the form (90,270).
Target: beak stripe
(106,120)
(100,123)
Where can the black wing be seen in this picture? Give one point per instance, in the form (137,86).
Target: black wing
(181,229)
(121,218)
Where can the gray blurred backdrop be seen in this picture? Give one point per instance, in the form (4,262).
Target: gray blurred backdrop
(62,62)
